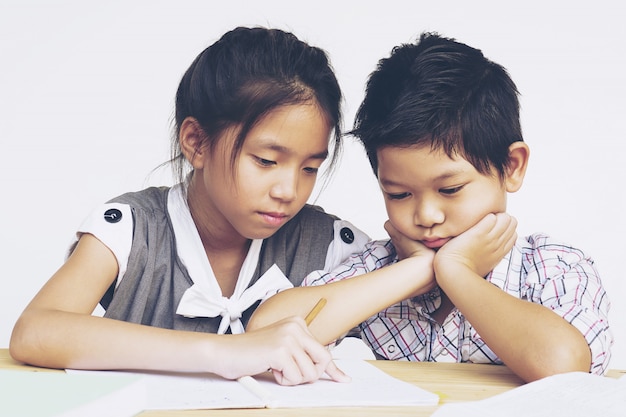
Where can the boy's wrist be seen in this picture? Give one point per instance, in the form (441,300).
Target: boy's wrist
(420,273)
(451,272)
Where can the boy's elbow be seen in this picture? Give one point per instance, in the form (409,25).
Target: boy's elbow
(576,358)
(263,316)
(276,308)
(255,322)
(563,359)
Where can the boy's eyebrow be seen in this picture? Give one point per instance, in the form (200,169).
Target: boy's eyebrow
(448,174)
(441,177)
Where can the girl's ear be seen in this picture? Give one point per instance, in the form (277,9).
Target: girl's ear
(519,152)
(191,138)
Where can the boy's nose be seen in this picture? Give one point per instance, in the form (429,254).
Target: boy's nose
(427,214)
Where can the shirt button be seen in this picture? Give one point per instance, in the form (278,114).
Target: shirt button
(391,348)
(347,235)
(113,215)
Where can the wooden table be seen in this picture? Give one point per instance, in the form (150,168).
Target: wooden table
(453,382)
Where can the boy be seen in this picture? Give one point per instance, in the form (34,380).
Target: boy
(440,124)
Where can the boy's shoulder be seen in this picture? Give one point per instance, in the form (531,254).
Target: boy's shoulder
(544,242)
(542,249)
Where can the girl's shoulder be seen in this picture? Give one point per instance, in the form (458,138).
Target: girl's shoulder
(148,197)
(310,219)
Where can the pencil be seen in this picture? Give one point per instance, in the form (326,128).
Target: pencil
(315,311)
(257,389)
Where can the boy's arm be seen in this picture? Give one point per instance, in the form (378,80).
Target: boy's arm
(529,338)
(350,301)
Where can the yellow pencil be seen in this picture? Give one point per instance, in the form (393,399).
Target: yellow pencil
(314,312)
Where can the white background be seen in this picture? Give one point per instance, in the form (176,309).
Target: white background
(87,88)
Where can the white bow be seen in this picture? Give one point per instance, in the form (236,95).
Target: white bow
(204,298)
(197,300)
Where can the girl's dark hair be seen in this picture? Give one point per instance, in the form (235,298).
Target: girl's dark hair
(245,75)
(443,94)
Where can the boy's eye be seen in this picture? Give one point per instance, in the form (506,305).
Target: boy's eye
(398,196)
(450,191)
(311,170)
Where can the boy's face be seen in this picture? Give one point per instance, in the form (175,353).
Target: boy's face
(431,197)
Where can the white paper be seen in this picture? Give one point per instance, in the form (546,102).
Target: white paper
(574,394)
(369,387)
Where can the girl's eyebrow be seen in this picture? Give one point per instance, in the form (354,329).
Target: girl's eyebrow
(321,155)
(270,144)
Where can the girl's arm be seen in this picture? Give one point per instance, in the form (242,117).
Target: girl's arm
(529,338)
(57,330)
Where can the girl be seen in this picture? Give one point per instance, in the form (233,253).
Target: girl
(174,266)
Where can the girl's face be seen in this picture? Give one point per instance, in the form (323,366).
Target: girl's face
(273,176)
(431,197)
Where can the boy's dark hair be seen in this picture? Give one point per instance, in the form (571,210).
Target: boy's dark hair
(245,75)
(443,94)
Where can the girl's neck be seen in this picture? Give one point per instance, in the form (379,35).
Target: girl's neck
(225,248)
(216,232)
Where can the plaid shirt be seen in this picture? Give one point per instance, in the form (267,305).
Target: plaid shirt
(537,269)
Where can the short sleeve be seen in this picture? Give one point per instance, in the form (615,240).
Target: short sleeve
(565,280)
(347,240)
(112,224)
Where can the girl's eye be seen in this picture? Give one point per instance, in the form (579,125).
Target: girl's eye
(264,162)
(450,191)
(311,170)
(399,196)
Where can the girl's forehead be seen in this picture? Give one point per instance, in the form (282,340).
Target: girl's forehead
(301,126)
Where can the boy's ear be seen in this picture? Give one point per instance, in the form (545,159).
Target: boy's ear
(191,139)
(519,152)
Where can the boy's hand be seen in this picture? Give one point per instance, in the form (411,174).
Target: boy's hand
(406,247)
(481,247)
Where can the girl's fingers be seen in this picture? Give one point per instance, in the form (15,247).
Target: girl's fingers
(304,360)
(336,374)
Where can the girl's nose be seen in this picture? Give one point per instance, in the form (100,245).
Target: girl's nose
(286,187)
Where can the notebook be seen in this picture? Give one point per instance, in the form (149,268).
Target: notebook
(369,387)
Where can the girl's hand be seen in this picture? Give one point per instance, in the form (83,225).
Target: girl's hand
(287,348)
(481,247)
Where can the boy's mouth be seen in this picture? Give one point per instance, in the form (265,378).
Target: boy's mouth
(435,243)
